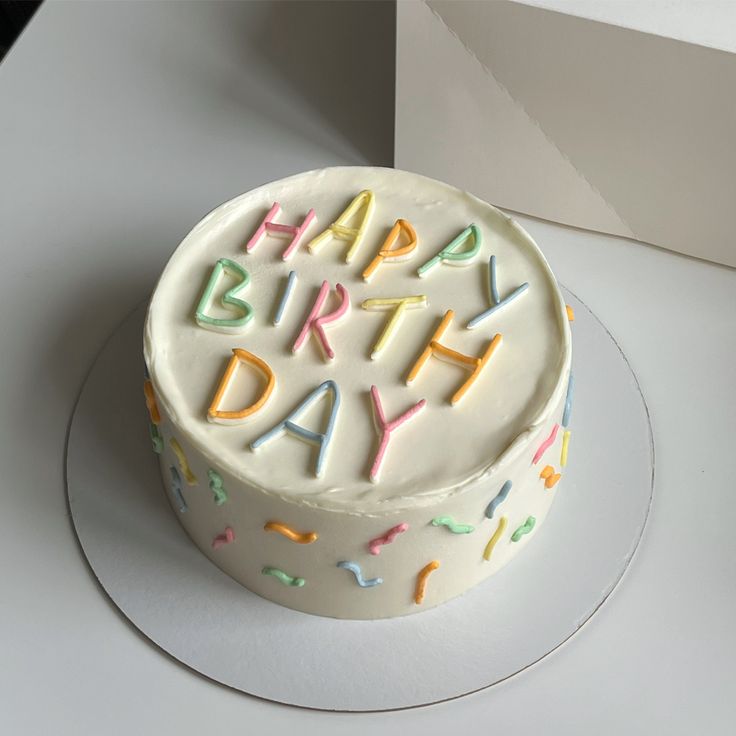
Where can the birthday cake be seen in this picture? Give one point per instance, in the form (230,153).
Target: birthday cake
(359,388)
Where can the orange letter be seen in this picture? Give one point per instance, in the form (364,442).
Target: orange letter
(235,417)
(434,347)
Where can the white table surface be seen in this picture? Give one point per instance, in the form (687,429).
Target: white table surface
(120,125)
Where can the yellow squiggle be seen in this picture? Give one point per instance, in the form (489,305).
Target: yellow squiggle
(189,476)
(565,443)
(496,536)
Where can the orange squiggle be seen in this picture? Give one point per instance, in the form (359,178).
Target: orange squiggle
(151,402)
(292,534)
(421,586)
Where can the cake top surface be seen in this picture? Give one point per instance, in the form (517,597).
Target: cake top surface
(439,447)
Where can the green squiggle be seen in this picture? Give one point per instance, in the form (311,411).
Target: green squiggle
(217,487)
(452,525)
(283,577)
(156,439)
(525,528)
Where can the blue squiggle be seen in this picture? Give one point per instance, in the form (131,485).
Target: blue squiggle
(176,489)
(568,401)
(354,568)
(499,499)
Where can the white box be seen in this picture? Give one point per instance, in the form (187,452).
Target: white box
(578,121)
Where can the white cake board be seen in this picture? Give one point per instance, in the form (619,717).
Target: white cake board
(183,603)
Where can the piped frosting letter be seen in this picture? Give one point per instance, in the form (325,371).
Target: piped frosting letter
(317,324)
(385,428)
(398,305)
(388,253)
(268,226)
(434,347)
(320,439)
(240,356)
(496,301)
(451,255)
(229,299)
(340,229)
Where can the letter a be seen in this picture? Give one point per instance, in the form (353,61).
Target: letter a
(320,439)
(240,356)
(339,229)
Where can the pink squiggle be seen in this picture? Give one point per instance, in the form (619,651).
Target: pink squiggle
(317,324)
(386,428)
(545,445)
(268,226)
(221,539)
(374,546)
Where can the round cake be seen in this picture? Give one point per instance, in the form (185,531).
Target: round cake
(359,388)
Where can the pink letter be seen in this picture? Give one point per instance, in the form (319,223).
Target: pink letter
(385,428)
(317,323)
(276,228)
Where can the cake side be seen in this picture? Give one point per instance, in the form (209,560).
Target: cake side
(469,536)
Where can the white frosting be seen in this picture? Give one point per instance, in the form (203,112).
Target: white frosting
(447,461)
(446,447)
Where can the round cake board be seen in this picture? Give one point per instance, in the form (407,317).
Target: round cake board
(203,618)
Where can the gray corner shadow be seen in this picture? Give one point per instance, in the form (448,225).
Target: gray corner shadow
(338,59)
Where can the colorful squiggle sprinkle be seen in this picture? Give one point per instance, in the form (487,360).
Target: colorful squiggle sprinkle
(499,499)
(354,568)
(157,441)
(176,489)
(217,487)
(525,528)
(568,401)
(421,585)
(283,577)
(189,476)
(565,444)
(452,525)
(291,534)
(488,551)
(545,445)
(227,537)
(374,546)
